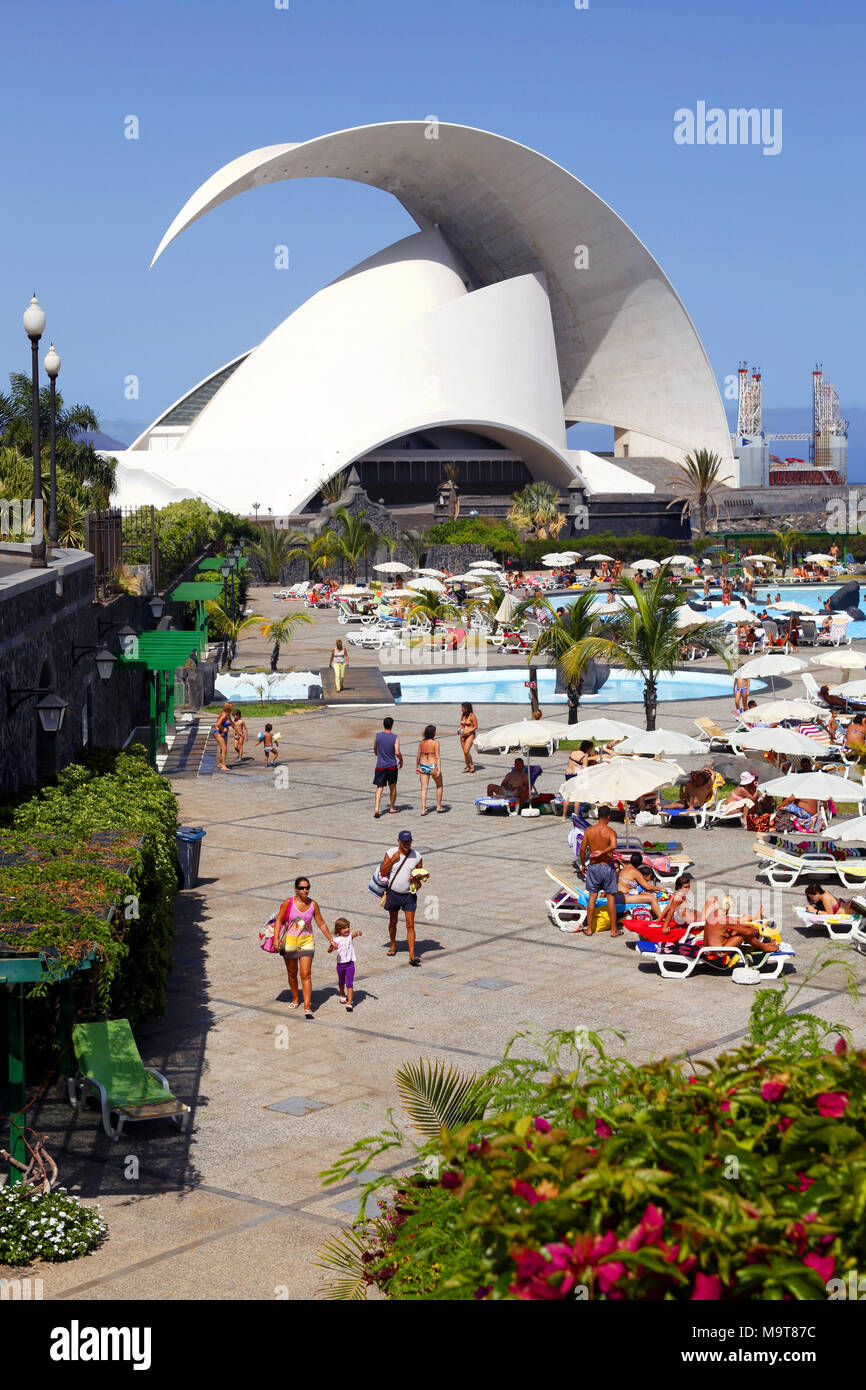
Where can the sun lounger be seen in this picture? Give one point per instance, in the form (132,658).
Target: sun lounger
(514,804)
(666,866)
(840,926)
(717,740)
(109,1064)
(677,960)
(784,861)
(568,904)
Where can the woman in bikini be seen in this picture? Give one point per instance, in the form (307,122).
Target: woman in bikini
(221,734)
(820,900)
(578,759)
(429,764)
(466,733)
(294,932)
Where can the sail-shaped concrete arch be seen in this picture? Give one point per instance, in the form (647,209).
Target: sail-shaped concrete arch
(523,304)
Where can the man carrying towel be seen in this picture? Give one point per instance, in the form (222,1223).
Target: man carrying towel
(397,868)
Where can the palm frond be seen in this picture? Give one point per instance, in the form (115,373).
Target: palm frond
(438,1097)
(344,1256)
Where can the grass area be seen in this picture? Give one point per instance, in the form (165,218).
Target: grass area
(268,710)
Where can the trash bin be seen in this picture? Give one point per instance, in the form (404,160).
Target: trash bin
(189,838)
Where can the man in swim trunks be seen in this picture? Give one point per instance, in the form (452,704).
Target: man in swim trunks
(596,859)
(514,783)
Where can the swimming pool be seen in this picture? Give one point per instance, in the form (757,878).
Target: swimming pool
(812,595)
(510,688)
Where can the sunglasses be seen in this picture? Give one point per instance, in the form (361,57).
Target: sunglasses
(303,887)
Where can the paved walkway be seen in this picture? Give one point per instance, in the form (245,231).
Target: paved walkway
(236,1208)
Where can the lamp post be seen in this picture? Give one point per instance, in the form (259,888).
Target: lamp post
(34,326)
(52,367)
(256,506)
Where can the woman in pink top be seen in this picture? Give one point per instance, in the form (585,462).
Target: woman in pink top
(294,932)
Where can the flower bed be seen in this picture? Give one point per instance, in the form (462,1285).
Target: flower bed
(739,1178)
(54,1226)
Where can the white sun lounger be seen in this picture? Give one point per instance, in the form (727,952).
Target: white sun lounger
(840,926)
(674,967)
(784,863)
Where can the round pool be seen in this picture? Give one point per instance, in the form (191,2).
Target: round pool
(511,688)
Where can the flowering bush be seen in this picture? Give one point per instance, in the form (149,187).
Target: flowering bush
(53,1227)
(738,1178)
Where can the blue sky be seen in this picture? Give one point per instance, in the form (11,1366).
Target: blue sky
(765,251)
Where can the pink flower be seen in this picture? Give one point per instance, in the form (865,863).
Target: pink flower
(708,1288)
(542,1125)
(725,1105)
(451,1180)
(805,1182)
(823,1265)
(609,1275)
(772,1090)
(648,1231)
(785,1123)
(523,1189)
(602,1129)
(832,1104)
(841,1046)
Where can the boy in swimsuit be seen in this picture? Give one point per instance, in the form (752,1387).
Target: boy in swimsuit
(270,746)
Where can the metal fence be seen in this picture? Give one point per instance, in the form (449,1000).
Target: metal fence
(122,535)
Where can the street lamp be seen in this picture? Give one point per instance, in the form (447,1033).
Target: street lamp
(51,709)
(52,367)
(34,326)
(104,659)
(256,506)
(157,606)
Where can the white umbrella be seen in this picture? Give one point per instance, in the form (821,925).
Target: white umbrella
(774,711)
(735,614)
(843,659)
(851,829)
(604,610)
(526,734)
(435,574)
(771,664)
(760,559)
(430,586)
(392,567)
(778,740)
(352,591)
(687,617)
(645,565)
(619,779)
(596,559)
(679,562)
(480,592)
(484,565)
(602,729)
(565,557)
(396,593)
(791,606)
(852,690)
(666,741)
(505,611)
(822,786)
(468,578)
(819,559)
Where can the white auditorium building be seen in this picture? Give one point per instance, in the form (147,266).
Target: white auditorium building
(523,304)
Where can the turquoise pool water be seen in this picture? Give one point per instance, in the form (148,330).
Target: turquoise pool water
(509,688)
(813,595)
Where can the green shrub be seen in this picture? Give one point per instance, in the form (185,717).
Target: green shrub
(54,1226)
(738,1178)
(497,536)
(121,792)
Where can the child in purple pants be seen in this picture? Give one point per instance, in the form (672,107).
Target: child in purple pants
(344,945)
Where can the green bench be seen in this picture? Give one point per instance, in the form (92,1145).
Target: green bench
(109,1064)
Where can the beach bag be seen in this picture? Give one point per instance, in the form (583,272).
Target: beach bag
(267,941)
(600,922)
(378,885)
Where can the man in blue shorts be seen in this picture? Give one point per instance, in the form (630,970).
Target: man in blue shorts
(389,760)
(596,859)
(397,867)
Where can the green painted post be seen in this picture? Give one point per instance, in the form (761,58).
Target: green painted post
(152,743)
(160,708)
(17,1094)
(201,626)
(169,686)
(67,1022)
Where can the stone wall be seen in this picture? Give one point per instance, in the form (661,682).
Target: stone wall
(44,614)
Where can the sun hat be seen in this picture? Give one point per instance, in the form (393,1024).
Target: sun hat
(748,777)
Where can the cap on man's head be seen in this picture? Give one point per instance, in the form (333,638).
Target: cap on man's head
(405,836)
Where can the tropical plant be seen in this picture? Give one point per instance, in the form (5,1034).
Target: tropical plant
(585,1175)
(496,536)
(536,512)
(74,455)
(700,478)
(644,638)
(432,608)
(274,550)
(574,635)
(334,488)
(355,539)
(416,544)
(280,631)
(319,551)
(786,543)
(487,605)
(228,628)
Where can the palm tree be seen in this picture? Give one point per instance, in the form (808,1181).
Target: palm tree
(280,631)
(645,639)
(334,488)
(536,511)
(700,478)
(431,606)
(488,604)
(74,455)
(415,543)
(356,539)
(575,634)
(228,629)
(452,474)
(274,550)
(318,551)
(785,544)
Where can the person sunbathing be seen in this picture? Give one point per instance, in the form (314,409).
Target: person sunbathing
(803,814)
(832,701)
(855,734)
(695,792)
(743,796)
(515,784)
(825,904)
(634,885)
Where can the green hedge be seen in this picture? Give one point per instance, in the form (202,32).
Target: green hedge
(119,791)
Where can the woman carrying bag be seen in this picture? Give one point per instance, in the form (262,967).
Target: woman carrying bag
(293,935)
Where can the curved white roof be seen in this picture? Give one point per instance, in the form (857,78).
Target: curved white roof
(628,354)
